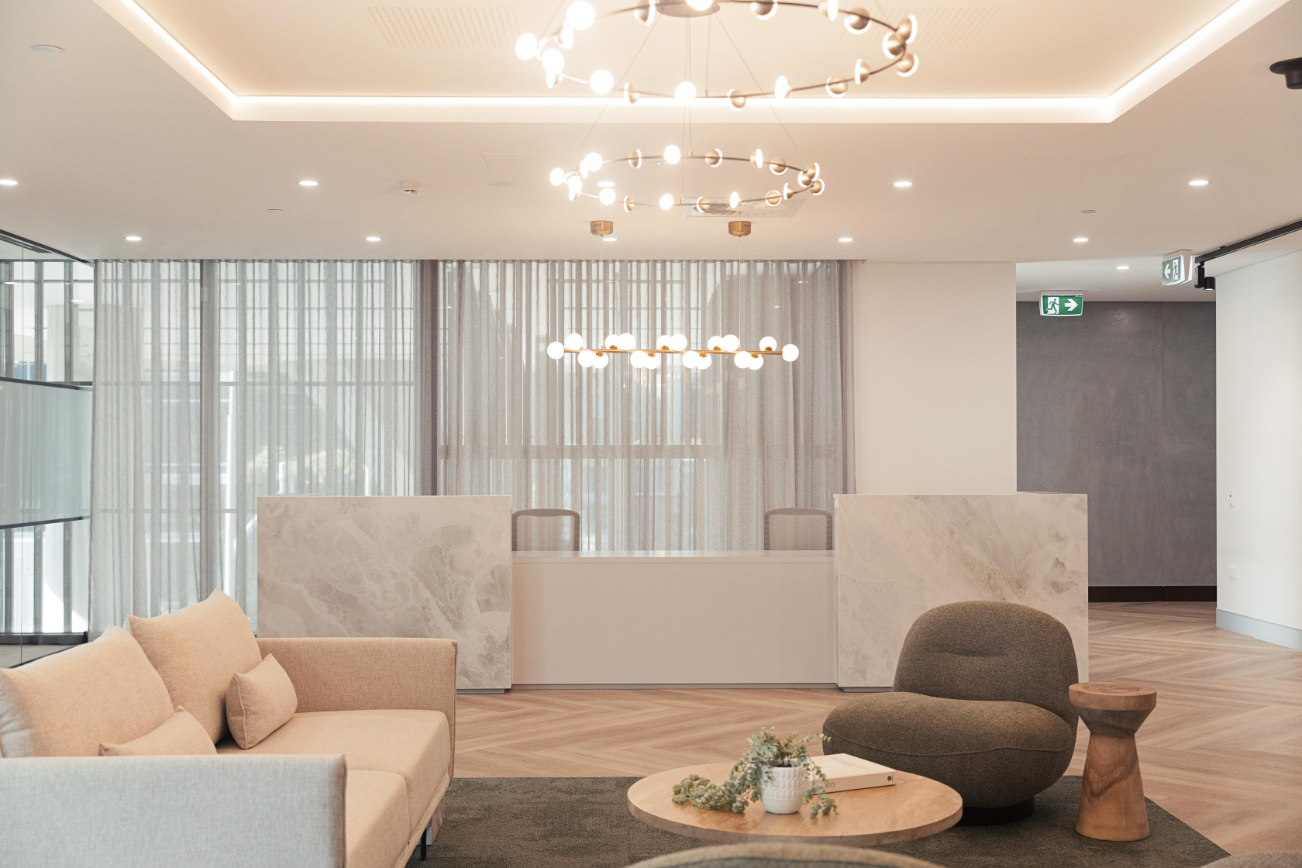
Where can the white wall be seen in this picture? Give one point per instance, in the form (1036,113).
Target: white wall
(1259,449)
(935,378)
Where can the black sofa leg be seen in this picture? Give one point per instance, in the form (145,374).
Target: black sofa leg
(422,848)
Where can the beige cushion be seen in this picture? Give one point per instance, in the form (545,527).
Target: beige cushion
(413,744)
(259,702)
(69,703)
(196,650)
(179,735)
(375,818)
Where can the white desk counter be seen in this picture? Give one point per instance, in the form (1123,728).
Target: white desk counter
(670,618)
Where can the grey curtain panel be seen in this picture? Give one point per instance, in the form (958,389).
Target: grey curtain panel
(671,458)
(223,381)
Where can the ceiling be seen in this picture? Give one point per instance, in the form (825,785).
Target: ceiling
(107,140)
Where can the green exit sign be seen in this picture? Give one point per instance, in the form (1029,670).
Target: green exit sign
(1055,304)
(1177,268)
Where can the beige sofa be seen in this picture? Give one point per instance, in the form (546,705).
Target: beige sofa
(354,778)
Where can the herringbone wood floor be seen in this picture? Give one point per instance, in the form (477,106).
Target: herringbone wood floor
(1223,750)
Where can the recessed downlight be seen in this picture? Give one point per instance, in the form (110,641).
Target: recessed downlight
(307,182)
(372,238)
(1199,182)
(609,238)
(845,239)
(1123,268)
(903,184)
(1080,239)
(8,182)
(605,183)
(47,49)
(133,238)
(275,210)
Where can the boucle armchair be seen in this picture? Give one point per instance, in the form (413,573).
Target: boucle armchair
(979,703)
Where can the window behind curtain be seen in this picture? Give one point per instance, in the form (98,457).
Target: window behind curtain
(672,458)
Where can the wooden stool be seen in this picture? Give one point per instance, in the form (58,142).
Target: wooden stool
(1112,792)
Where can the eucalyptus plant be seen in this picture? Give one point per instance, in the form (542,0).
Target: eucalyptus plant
(746,779)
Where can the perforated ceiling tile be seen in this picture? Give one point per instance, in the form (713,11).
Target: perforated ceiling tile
(446,26)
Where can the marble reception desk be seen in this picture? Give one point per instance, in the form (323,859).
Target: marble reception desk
(898,556)
(443,567)
(436,567)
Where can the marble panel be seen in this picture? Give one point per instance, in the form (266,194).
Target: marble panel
(899,555)
(435,567)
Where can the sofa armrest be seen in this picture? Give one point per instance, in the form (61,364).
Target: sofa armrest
(125,812)
(356,673)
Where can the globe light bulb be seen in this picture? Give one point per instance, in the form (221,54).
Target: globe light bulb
(526,46)
(782,87)
(666,202)
(553,61)
(685,92)
(626,341)
(790,352)
(755,363)
(638,359)
(575,183)
(586,358)
(764,9)
(611,342)
(607,196)
(741,359)
(567,37)
(601,361)
(557,176)
(672,155)
(653,361)
(757,159)
(702,362)
(731,343)
(574,341)
(662,342)
(689,360)
(593,162)
(715,343)
(678,343)
(601,82)
(733,201)
(556,349)
(580,15)
(907,66)
(768,343)
(908,29)
(829,9)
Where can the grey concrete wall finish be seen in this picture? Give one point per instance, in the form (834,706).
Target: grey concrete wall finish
(1121,404)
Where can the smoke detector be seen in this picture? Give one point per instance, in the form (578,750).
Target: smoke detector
(410,187)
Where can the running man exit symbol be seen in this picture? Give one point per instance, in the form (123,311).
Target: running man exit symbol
(1057,304)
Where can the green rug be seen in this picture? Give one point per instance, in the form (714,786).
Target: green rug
(584,823)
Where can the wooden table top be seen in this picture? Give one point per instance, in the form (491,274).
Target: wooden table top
(913,808)
(1112,696)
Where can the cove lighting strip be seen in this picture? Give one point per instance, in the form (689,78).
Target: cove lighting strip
(458,109)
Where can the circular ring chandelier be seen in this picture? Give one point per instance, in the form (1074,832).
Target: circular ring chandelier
(808,180)
(549,50)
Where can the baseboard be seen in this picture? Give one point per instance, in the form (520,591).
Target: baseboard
(1277,634)
(827,686)
(1152,593)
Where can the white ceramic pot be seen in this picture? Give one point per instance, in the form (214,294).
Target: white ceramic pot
(784,790)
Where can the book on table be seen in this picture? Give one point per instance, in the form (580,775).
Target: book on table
(846,772)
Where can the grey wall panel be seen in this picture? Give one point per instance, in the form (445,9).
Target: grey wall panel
(1120,404)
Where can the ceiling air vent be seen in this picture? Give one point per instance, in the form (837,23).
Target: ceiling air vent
(446,26)
(943,27)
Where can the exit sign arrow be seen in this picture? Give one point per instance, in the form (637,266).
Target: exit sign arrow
(1061,304)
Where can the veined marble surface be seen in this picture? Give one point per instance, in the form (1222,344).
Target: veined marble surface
(436,567)
(899,555)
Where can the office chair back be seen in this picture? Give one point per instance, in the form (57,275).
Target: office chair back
(543,530)
(803,529)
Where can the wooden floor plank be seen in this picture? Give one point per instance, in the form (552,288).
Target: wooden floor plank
(1222,751)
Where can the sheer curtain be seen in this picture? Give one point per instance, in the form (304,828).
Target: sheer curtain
(229,380)
(653,459)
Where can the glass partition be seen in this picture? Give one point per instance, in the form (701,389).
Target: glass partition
(47,328)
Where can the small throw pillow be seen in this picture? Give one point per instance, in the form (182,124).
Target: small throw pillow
(196,650)
(259,702)
(180,735)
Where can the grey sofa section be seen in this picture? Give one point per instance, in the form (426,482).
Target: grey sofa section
(782,856)
(979,703)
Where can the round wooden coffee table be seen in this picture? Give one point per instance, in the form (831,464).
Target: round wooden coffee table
(1112,791)
(913,808)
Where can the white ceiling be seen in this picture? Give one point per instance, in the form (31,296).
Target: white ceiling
(106,140)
